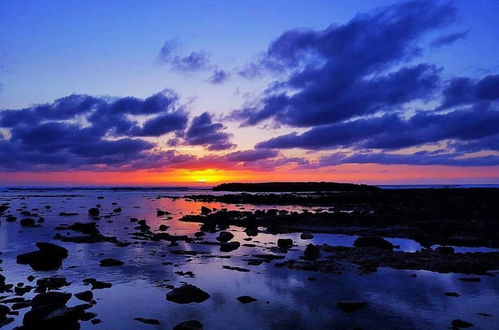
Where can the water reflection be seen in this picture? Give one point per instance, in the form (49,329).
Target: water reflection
(287,299)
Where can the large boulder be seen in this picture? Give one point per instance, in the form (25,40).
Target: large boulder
(187,294)
(48,311)
(48,257)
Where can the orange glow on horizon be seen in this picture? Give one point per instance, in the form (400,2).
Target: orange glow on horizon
(357,173)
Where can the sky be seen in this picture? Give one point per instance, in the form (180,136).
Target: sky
(201,92)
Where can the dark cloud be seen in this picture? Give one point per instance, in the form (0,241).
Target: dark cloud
(449,39)
(163,124)
(219,76)
(81,131)
(350,70)
(192,62)
(195,61)
(202,131)
(418,158)
(464,90)
(251,155)
(395,131)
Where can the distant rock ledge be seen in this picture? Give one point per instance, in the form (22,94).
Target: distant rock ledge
(294,187)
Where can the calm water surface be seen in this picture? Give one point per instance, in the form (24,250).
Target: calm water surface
(287,299)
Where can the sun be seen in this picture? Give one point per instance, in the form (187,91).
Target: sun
(206,176)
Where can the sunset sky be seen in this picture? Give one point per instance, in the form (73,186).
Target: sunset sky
(181,92)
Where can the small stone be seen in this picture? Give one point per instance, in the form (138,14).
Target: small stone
(452,294)
(351,306)
(225,236)
(147,321)
(189,325)
(470,279)
(111,262)
(246,299)
(187,294)
(306,235)
(93,212)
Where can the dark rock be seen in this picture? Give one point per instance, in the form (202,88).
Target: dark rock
(239,269)
(147,321)
(452,294)
(268,257)
(28,222)
(54,317)
(57,299)
(351,306)
(161,213)
(49,257)
(373,242)
(205,210)
(445,249)
(163,227)
(230,246)
(186,294)
(93,212)
(284,243)
(97,284)
(246,299)
(4,310)
(470,279)
(312,252)
(255,262)
(51,283)
(21,305)
(117,210)
(108,262)
(86,296)
(189,325)
(457,323)
(225,236)
(67,214)
(4,320)
(484,314)
(251,231)
(306,235)
(10,218)
(52,249)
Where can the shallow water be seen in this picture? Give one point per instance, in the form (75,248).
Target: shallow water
(287,299)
